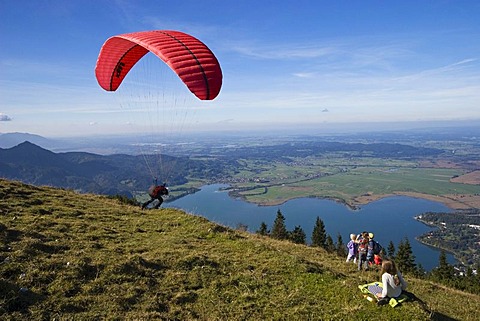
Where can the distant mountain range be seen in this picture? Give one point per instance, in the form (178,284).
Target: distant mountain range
(10,140)
(104,145)
(86,172)
(123,174)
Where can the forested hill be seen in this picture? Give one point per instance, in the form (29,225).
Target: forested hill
(457,233)
(69,256)
(87,172)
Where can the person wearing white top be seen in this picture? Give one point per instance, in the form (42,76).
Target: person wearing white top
(393,282)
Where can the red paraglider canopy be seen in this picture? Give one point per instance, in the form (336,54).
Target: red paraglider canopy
(190,58)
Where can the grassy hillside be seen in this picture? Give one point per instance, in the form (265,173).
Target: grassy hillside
(67,256)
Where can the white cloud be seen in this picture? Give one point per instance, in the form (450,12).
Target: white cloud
(4,117)
(305,74)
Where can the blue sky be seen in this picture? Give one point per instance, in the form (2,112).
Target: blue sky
(285,63)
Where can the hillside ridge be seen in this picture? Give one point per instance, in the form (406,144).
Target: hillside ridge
(117,174)
(83,256)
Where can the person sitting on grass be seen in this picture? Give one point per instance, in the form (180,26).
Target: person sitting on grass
(392,282)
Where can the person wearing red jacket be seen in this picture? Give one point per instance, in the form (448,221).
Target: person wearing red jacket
(156,192)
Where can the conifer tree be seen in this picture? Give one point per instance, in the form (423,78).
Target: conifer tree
(298,235)
(421,272)
(341,248)
(279,231)
(391,250)
(475,278)
(329,246)
(405,259)
(472,281)
(469,272)
(263,230)
(444,271)
(319,236)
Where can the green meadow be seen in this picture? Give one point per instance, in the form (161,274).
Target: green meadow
(344,180)
(66,256)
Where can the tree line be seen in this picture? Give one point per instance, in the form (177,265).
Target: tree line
(403,255)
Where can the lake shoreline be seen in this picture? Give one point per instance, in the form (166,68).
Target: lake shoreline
(451,201)
(216,202)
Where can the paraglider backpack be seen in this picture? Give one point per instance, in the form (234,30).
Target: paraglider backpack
(156,191)
(377,248)
(160,190)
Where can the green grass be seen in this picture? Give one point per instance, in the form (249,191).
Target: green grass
(66,256)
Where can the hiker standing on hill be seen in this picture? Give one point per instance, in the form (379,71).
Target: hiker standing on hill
(374,251)
(362,251)
(392,282)
(352,246)
(156,192)
(371,249)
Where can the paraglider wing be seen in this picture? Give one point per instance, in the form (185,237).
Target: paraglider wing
(187,56)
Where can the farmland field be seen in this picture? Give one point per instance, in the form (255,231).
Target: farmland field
(356,182)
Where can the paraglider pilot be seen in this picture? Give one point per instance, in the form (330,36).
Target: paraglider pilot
(156,192)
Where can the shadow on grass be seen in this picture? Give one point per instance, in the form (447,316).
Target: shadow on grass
(17,299)
(441,317)
(435,316)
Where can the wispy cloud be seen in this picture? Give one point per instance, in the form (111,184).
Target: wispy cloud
(270,73)
(4,117)
(278,52)
(134,14)
(31,69)
(305,74)
(460,70)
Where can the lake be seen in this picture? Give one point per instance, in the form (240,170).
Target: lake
(390,219)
